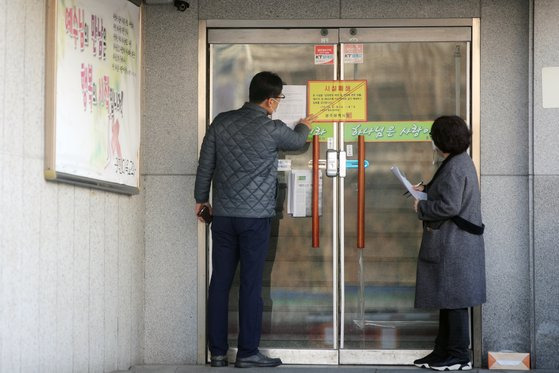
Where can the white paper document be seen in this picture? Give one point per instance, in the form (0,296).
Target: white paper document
(418,195)
(294,106)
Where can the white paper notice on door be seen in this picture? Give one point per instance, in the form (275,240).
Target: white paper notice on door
(294,106)
(299,193)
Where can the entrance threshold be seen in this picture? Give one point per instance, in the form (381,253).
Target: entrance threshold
(283,369)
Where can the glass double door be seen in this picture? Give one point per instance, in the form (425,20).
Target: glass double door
(336,303)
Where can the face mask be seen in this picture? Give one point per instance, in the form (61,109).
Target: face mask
(434,146)
(277,102)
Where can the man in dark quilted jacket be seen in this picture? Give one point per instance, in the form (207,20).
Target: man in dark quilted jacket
(240,155)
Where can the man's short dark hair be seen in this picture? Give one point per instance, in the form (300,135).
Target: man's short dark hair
(264,85)
(451,134)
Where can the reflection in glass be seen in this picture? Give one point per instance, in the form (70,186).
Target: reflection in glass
(297,288)
(406,81)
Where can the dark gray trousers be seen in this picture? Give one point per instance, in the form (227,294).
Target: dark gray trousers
(453,337)
(244,241)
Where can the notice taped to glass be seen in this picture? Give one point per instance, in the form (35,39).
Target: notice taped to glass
(337,100)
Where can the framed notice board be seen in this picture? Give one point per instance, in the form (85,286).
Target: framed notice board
(93,94)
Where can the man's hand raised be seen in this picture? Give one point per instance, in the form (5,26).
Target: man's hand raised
(308,120)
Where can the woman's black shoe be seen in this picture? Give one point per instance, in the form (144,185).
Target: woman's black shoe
(219,361)
(425,361)
(452,363)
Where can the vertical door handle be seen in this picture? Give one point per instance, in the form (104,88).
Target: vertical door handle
(315,221)
(361,192)
(343,164)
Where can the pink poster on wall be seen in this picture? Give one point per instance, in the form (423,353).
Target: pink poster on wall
(97,70)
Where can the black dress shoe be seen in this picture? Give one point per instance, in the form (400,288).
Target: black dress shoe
(257,360)
(219,361)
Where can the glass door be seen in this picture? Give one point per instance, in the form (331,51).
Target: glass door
(339,304)
(413,76)
(300,320)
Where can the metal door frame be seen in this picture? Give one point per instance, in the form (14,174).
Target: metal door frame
(396,35)
(249,35)
(292,28)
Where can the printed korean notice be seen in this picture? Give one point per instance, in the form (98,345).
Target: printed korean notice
(337,100)
(294,106)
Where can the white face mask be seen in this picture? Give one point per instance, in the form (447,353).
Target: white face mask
(434,146)
(277,102)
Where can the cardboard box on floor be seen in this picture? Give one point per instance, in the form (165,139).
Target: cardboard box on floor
(509,360)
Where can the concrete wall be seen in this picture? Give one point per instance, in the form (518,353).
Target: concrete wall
(546,194)
(170,152)
(505,161)
(71,259)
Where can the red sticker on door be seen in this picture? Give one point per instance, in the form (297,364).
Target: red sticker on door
(323,54)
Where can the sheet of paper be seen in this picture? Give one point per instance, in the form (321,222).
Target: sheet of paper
(284,164)
(417,195)
(294,106)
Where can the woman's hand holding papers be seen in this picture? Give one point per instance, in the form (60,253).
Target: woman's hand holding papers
(420,188)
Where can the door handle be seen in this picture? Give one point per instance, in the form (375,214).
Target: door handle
(343,164)
(361,192)
(315,217)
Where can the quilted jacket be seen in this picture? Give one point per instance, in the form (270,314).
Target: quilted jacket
(239,153)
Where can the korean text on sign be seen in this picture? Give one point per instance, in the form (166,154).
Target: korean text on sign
(337,100)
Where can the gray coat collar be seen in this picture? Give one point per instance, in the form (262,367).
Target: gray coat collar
(251,106)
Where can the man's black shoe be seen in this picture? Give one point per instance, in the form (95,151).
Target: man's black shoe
(219,361)
(425,361)
(257,360)
(452,363)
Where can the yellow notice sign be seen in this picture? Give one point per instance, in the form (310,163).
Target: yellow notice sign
(337,100)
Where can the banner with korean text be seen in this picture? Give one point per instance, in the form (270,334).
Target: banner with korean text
(94,94)
(402,131)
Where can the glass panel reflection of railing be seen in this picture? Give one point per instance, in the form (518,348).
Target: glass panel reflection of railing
(388,320)
(293,318)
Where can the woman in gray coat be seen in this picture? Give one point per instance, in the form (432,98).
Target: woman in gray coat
(451,261)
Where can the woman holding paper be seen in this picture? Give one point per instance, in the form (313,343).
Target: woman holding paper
(451,261)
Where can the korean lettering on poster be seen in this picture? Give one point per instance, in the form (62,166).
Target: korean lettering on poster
(337,100)
(98,90)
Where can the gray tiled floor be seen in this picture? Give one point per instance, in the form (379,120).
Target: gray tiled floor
(298,369)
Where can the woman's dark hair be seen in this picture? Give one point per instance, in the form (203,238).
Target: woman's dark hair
(264,85)
(451,134)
